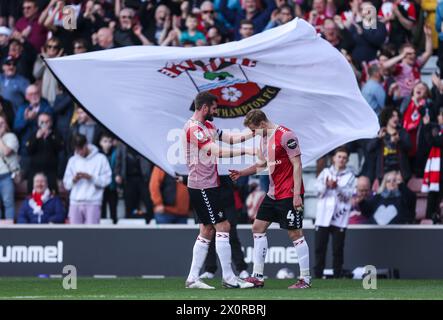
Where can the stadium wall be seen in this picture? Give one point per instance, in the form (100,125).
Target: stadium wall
(156,251)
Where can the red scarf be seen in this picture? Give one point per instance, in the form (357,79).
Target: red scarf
(431,177)
(411,120)
(37,198)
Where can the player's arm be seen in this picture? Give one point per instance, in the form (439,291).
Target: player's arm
(297,174)
(227,152)
(254,169)
(233,138)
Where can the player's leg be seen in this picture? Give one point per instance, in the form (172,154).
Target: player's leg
(265,216)
(260,248)
(205,217)
(223,248)
(199,254)
(292,220)
(302,250)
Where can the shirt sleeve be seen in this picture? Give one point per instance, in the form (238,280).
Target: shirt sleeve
(11,141)
(290,143)
(196,136)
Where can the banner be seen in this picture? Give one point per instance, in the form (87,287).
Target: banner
(144,94)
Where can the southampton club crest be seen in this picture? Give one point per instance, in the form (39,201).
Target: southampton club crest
(227,79)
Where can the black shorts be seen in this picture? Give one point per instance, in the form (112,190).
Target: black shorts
(281,211)
(207,205)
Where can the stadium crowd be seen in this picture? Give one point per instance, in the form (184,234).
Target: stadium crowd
(58,164)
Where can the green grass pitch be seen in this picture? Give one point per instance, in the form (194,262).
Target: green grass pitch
(173,288)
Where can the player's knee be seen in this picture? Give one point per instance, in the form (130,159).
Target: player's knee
(295,234)
(207,232)
(257,228)
(223,226)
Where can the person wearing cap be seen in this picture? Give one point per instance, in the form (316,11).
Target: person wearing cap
(5,34)
(12,85)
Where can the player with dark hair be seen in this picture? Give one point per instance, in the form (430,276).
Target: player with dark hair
(204,189)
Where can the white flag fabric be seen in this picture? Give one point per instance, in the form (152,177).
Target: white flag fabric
(144,93)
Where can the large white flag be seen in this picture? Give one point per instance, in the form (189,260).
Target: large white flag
(144,94)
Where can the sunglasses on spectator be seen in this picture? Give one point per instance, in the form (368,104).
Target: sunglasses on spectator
(208,11)
(126,17)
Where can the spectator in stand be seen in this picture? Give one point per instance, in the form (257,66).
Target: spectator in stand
(63,112)
(318,14)
(49,84)
(12,85)
(407,65)
(25,123)
(170,198)
(157,23)
(335,186)
(280,16)
(8,111)
(390,148)
(53,19)
(80,46)
(418,106)
(250,11)
(5,35)
(127,32)
(93,18)
(433,179)
(394,203)
(367,40)
(209,19)
(9,12)
(191,33)
(86,126)
(337,35)
(42,206)
(29,27)
(246,29)
(87,175)
(134,172)
(214,37)
(44,147)
(110,195)
(24,55)
(402,20)
(104,39)
(373,91)
(8,166)
(362,192)
(254,199)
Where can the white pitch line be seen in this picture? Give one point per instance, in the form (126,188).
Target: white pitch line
(104,276)
(153,277)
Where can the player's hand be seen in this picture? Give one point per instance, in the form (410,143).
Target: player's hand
(234,174)
(118,179)
(297,201)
